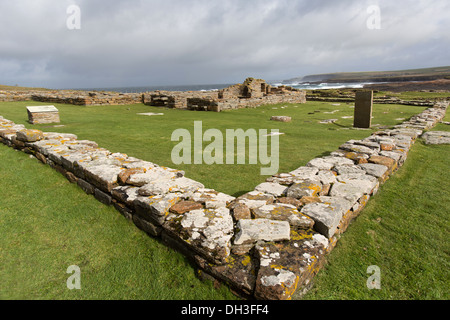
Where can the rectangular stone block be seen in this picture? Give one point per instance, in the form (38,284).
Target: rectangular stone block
(363,109)
(43,114)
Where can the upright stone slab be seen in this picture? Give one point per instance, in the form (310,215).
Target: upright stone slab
(43,114)
(363,109)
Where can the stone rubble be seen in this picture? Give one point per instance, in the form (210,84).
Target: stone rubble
(266,244)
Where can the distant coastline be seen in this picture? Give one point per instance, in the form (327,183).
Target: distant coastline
(141,89)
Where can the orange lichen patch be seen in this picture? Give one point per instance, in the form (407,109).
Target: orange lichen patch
(307,200)
(357,157)
(126,173)
(289,291)
(387,146)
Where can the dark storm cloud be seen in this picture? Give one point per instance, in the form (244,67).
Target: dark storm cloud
(128,43)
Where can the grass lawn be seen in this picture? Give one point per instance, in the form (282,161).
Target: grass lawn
(47,224)
(120,129)
(404,231)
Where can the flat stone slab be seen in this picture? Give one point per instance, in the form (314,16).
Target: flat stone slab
(274,189)
(281,118)
(207,231)
(327,214)
(43,114)
(251,231)
(353,189)
(40,109)
(150,114)
(285,267)
(436,137)
(30,135)
(376,170)
(284,212)
(164,186)
(307,188)
(328,163)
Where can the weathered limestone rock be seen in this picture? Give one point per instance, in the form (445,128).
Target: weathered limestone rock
(239,272)
(305,173)
(156,209)
(288,267)
(241,211)
(86,186)
(69,158)
(126,173)
(126,194)
(391,154)
(164,186)
(251,231)
(152,175)
(281,118)
(66,136)
(207,231)
(103,197)
(29,135)
(43,114)
(306,188)
(185,206)
(349,170)
(307,200)
(327,214)
(353,188)
(326,177)
(147,227)
(274,189)
(350,147)
(385,161)
(292,201)
(284,212)
(357,158)
(254,199)
(328,163)
(211,198)
(375,170)
(437,137)
(103,176)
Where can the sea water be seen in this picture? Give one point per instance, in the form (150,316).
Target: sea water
(215,87)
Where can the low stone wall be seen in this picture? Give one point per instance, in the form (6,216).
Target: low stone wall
(378,100)
(266,244)
(80,98)
(88,98)
(7,96)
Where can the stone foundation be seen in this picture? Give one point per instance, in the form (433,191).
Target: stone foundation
(266,244)
(250,94)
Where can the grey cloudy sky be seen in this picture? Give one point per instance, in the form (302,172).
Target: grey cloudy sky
(160,42)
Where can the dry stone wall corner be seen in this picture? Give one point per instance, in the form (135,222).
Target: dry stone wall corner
(266,244)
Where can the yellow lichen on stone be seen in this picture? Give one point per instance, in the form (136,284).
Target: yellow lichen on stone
(246,261)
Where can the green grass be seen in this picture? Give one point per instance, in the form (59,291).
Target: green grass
(119,129)
(48,224)
(393,75)
(415,95)
(403,230)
